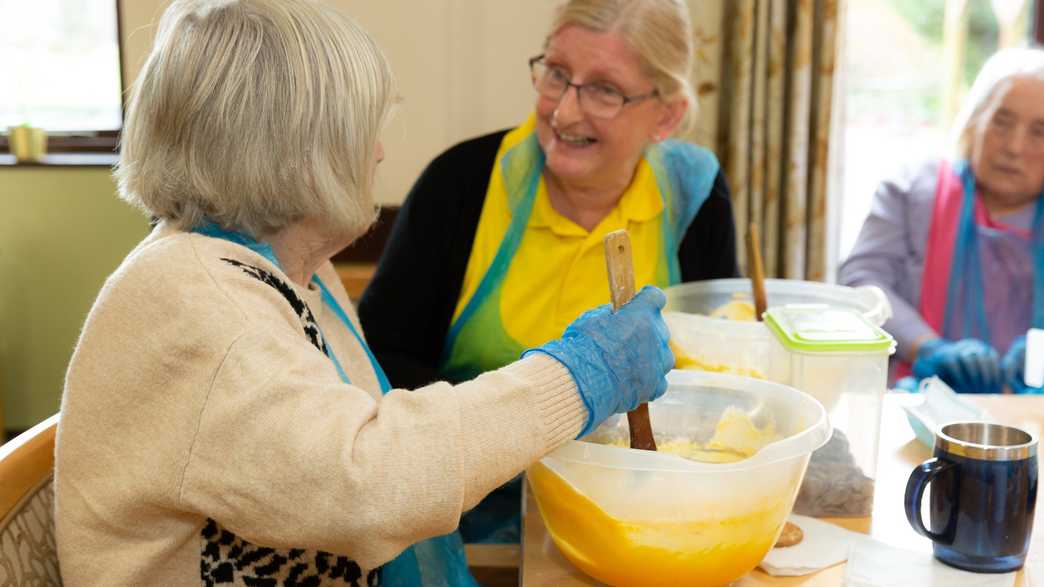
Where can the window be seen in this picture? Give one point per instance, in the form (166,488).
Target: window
(907,65)
(61,72)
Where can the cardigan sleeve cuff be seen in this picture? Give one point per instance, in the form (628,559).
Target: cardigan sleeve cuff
(558,402)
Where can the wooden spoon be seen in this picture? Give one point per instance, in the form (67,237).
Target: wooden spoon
(791,533)
(619,263)
(756,270)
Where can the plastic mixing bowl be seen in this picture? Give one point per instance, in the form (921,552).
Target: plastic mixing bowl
(631,517)
(703,297)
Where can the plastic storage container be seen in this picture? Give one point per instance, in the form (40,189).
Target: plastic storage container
(630,517)
(842,360)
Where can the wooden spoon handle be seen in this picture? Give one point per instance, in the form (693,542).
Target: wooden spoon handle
(756,271)
(619,264)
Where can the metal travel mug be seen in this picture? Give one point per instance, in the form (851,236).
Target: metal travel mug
(983,495)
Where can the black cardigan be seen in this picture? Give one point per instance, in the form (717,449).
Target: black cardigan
(407,307)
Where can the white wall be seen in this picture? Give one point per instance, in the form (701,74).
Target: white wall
(461,70)
(460,67)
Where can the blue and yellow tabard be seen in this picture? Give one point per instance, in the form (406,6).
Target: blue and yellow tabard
(533,271)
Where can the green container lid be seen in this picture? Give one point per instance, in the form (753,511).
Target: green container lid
(819,328)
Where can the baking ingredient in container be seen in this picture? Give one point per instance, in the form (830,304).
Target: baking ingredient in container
(834,484)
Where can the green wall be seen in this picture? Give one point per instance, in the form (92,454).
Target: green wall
(62,232)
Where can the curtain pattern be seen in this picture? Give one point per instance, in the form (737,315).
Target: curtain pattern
(764,75)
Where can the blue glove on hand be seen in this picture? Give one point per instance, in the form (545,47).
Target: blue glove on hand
(1014,367)
(618,359)
(968,365)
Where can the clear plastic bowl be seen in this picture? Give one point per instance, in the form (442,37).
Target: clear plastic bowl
(628,517)
(703,297)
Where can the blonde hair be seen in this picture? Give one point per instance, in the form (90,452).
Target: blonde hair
(254,114)
(996,74)
(659,31)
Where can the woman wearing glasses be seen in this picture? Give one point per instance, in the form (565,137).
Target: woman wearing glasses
(498,246)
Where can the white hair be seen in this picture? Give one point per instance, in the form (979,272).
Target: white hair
(254,114)
(996,74)
(659,31)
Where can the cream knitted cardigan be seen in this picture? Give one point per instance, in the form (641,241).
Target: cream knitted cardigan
(201,427)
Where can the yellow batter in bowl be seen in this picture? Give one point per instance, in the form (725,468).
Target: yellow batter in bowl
(735,310)
(683,360)
(708,551)
(684,550)
(736,437)
(633,517)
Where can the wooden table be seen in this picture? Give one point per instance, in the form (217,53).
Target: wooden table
(899,452)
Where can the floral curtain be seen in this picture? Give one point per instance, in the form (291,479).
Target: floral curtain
(765,82)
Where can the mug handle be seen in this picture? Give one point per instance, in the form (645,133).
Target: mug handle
(919,480)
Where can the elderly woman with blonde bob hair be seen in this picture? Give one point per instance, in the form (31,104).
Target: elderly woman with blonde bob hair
(223,420)
(958,244)
(516,252)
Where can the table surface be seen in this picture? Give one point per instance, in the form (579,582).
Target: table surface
(898,453)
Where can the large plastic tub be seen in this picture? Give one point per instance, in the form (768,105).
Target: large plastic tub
(703,297)
(631,517)
(832,353)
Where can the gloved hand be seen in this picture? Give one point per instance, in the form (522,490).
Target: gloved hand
(968,365)
(1013,365)
(908,384)
(618,359)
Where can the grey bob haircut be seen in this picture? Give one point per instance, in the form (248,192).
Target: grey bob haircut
(254,114)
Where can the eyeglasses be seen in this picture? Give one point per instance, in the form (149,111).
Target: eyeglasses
(596,99)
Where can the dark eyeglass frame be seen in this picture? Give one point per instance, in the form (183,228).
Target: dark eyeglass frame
(533,61)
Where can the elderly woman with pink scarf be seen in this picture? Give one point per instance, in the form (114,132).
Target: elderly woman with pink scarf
(958,245)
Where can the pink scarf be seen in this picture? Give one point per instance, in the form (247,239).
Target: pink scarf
(939,251)
(942,234)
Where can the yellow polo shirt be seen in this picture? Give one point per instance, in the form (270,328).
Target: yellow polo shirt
(559,269)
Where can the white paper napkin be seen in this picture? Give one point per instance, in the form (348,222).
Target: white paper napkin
(875,564)
(824,545)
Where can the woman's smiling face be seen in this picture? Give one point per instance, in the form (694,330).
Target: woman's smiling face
(587,151)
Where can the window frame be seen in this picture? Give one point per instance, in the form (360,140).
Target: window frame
(1038,21)
(97,141)
(107,141)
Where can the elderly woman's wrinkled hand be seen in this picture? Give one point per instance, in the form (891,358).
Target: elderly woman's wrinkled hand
(968,365)
(618,359)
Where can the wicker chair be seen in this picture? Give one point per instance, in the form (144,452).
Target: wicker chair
(27,548)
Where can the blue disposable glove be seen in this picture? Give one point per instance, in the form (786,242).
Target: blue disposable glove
(618,359)
(1014,367)
(908,384)
(968,365)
